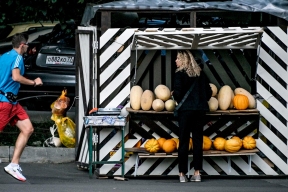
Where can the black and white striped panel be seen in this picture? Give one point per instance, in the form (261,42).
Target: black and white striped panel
(272,82)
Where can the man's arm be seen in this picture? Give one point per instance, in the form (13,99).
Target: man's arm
(16,76)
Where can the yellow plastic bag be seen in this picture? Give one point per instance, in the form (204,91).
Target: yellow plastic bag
(59,106)
(56,118)
(66,130)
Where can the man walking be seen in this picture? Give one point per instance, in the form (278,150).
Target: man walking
(11,76)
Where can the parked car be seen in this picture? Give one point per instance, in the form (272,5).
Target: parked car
(6,44)
(52,58)
(11,29)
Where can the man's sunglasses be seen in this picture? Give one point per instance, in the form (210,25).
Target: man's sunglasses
(25,43)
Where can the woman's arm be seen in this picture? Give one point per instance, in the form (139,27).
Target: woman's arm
(178,87)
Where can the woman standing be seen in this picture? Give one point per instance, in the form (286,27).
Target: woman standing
(191,114)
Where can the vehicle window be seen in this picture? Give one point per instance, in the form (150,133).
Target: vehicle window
(5,31)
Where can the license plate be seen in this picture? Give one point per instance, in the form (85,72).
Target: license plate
(63,60)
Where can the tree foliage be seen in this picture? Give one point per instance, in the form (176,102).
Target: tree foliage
(14,11)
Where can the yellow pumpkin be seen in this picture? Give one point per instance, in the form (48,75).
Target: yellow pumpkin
(224,97)
(219,143)
(240,102)
(158,105)
(249,142)
(232,145)
(214,89)
(213,104)
(239,140)
(169,146)
(170,105)
(147,99)
(207,143)
(161,141)
(162,92)
(152,146)
(135,97)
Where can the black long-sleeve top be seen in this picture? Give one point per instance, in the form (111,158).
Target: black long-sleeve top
(198,97)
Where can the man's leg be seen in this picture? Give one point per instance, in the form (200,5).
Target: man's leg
(26,130)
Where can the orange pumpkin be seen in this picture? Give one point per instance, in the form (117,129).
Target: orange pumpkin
(176,140)
(138,144)
(207,143)
(249,142)
(240,102)
(190,144)
(232,145)
(219,143)
(152,146)
(161,141)
(169,146)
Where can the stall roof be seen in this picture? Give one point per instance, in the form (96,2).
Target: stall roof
(197,38)
(278,8)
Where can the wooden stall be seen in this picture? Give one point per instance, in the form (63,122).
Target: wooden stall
(238,57)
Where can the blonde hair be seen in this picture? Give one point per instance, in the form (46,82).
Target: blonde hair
(189,65)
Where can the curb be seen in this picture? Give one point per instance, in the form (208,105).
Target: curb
(39,154)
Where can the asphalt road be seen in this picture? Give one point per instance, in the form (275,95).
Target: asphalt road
(68,178)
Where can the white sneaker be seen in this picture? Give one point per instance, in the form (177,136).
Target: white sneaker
(15,172)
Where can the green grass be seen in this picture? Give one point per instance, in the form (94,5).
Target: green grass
(40,134)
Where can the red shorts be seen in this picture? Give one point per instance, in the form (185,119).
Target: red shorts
(10,113)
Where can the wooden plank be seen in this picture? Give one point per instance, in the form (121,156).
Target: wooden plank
(283,37)
(275,47)
(157,72)
(156,128)
(170,125)
(138,129)
(274,139)
(244,63)
(214,128)
(270,62)
(144,65)
(249,129)
(235,70)
(168,69)
(116,64)
(219,112)
(106,37)
(114,84)
(214,39)
(142,151)
(272,118)
(130,110)
(136,149)
(112,49)
(171,40)
(219,69)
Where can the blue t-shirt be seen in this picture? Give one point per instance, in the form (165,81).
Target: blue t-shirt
(8,62)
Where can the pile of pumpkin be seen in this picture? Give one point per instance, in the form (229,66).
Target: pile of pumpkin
(226,98)
(145,100)
(231,145)
(160,99)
